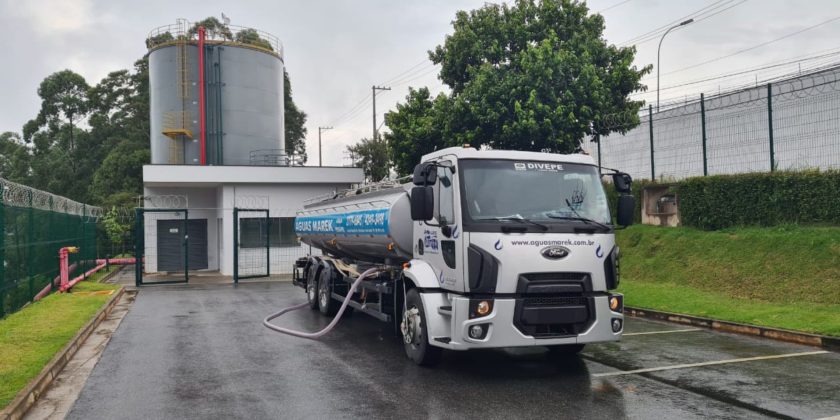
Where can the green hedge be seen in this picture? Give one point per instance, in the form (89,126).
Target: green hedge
(760,199)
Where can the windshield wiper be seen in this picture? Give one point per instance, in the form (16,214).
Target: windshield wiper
(519,219)
(577,216)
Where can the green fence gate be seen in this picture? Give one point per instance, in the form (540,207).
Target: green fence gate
(251,244)
(166,259)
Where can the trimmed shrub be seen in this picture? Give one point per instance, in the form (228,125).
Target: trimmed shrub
(760,199)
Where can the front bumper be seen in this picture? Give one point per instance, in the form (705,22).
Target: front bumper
(500,327)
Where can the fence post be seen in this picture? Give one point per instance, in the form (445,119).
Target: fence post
(770,125)
(30,252)
(2,254)
(267,243)
(52,232)
(650,124)
(703,130)
(186,245)
(83,244)
(235,245)
(139,246)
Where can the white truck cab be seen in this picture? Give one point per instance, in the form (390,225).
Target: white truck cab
(505,249)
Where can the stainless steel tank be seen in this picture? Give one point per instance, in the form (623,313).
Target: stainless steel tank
(244,101)
(372,226)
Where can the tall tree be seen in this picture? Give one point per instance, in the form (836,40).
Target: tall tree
(532,76)
(416,128)
(294,122)
(372,156)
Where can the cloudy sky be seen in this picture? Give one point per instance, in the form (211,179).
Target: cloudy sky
(335,50)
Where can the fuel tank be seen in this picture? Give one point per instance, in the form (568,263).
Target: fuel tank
(373,226)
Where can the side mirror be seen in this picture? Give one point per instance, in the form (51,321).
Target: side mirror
(622,182)
(425,174)
(422,203)
(626,209)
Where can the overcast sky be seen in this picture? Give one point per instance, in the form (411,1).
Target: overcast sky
(335,51)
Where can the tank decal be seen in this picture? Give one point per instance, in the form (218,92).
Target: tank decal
(363,222)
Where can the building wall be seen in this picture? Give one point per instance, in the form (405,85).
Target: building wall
(216,204)
(200,203)
(283,200)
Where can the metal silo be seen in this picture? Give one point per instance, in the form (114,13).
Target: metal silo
(242,96)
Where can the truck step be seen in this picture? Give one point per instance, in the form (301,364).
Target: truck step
(371,309)
(444,340)
(445,310)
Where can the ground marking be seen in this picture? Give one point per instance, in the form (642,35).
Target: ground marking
(718,362)
(662,332)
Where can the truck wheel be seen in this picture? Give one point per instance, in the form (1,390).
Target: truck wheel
(565,351)
(312,287)
(414,332)
(326,304)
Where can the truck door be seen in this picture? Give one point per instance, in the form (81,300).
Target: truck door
(442,238)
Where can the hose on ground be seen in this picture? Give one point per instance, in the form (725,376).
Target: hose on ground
(328,328)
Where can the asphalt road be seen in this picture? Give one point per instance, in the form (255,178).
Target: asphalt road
(202,352)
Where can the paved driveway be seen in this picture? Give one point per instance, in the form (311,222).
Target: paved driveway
(202,352)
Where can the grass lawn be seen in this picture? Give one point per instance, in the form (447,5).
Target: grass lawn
(30,337)
(784,277)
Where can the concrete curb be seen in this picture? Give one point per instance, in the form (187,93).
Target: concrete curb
(826,342)
(26,398)
(111,274)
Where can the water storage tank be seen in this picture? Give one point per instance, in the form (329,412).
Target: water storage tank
(243,89)
(372,226)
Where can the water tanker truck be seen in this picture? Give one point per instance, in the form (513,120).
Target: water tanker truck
(481,249)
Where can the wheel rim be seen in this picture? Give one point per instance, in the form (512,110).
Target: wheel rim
(411,326)
(323,299)
(310,291)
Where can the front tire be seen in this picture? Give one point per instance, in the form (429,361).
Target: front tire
(415,333)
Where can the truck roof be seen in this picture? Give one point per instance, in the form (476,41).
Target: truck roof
(472,153)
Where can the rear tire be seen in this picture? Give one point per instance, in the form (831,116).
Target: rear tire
(326,304)
(415,334)
(312,286)
(566,351)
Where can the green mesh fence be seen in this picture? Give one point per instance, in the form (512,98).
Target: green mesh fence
(34,225)
(788,124)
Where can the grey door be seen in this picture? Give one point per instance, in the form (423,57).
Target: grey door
(170,239)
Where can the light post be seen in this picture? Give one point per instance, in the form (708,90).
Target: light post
(321,130)
(657,56)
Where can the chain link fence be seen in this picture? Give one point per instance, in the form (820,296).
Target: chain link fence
(787,124)
(34,225)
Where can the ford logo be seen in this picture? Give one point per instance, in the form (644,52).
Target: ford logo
(555,252)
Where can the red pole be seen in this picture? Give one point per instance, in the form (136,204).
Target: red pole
(201,110)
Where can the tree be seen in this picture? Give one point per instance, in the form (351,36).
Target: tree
(252,37)
(294,123)
(533,76)
(417,127)
(372,156)
(213,26)
(14,158)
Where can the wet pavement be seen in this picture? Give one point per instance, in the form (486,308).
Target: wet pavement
(200,351)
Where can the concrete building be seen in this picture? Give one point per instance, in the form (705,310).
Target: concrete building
(217,144)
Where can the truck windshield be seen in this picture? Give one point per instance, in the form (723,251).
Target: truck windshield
(548,192)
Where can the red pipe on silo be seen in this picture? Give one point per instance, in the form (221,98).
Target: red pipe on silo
(201,110)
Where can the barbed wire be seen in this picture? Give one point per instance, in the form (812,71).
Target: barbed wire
(19,195)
